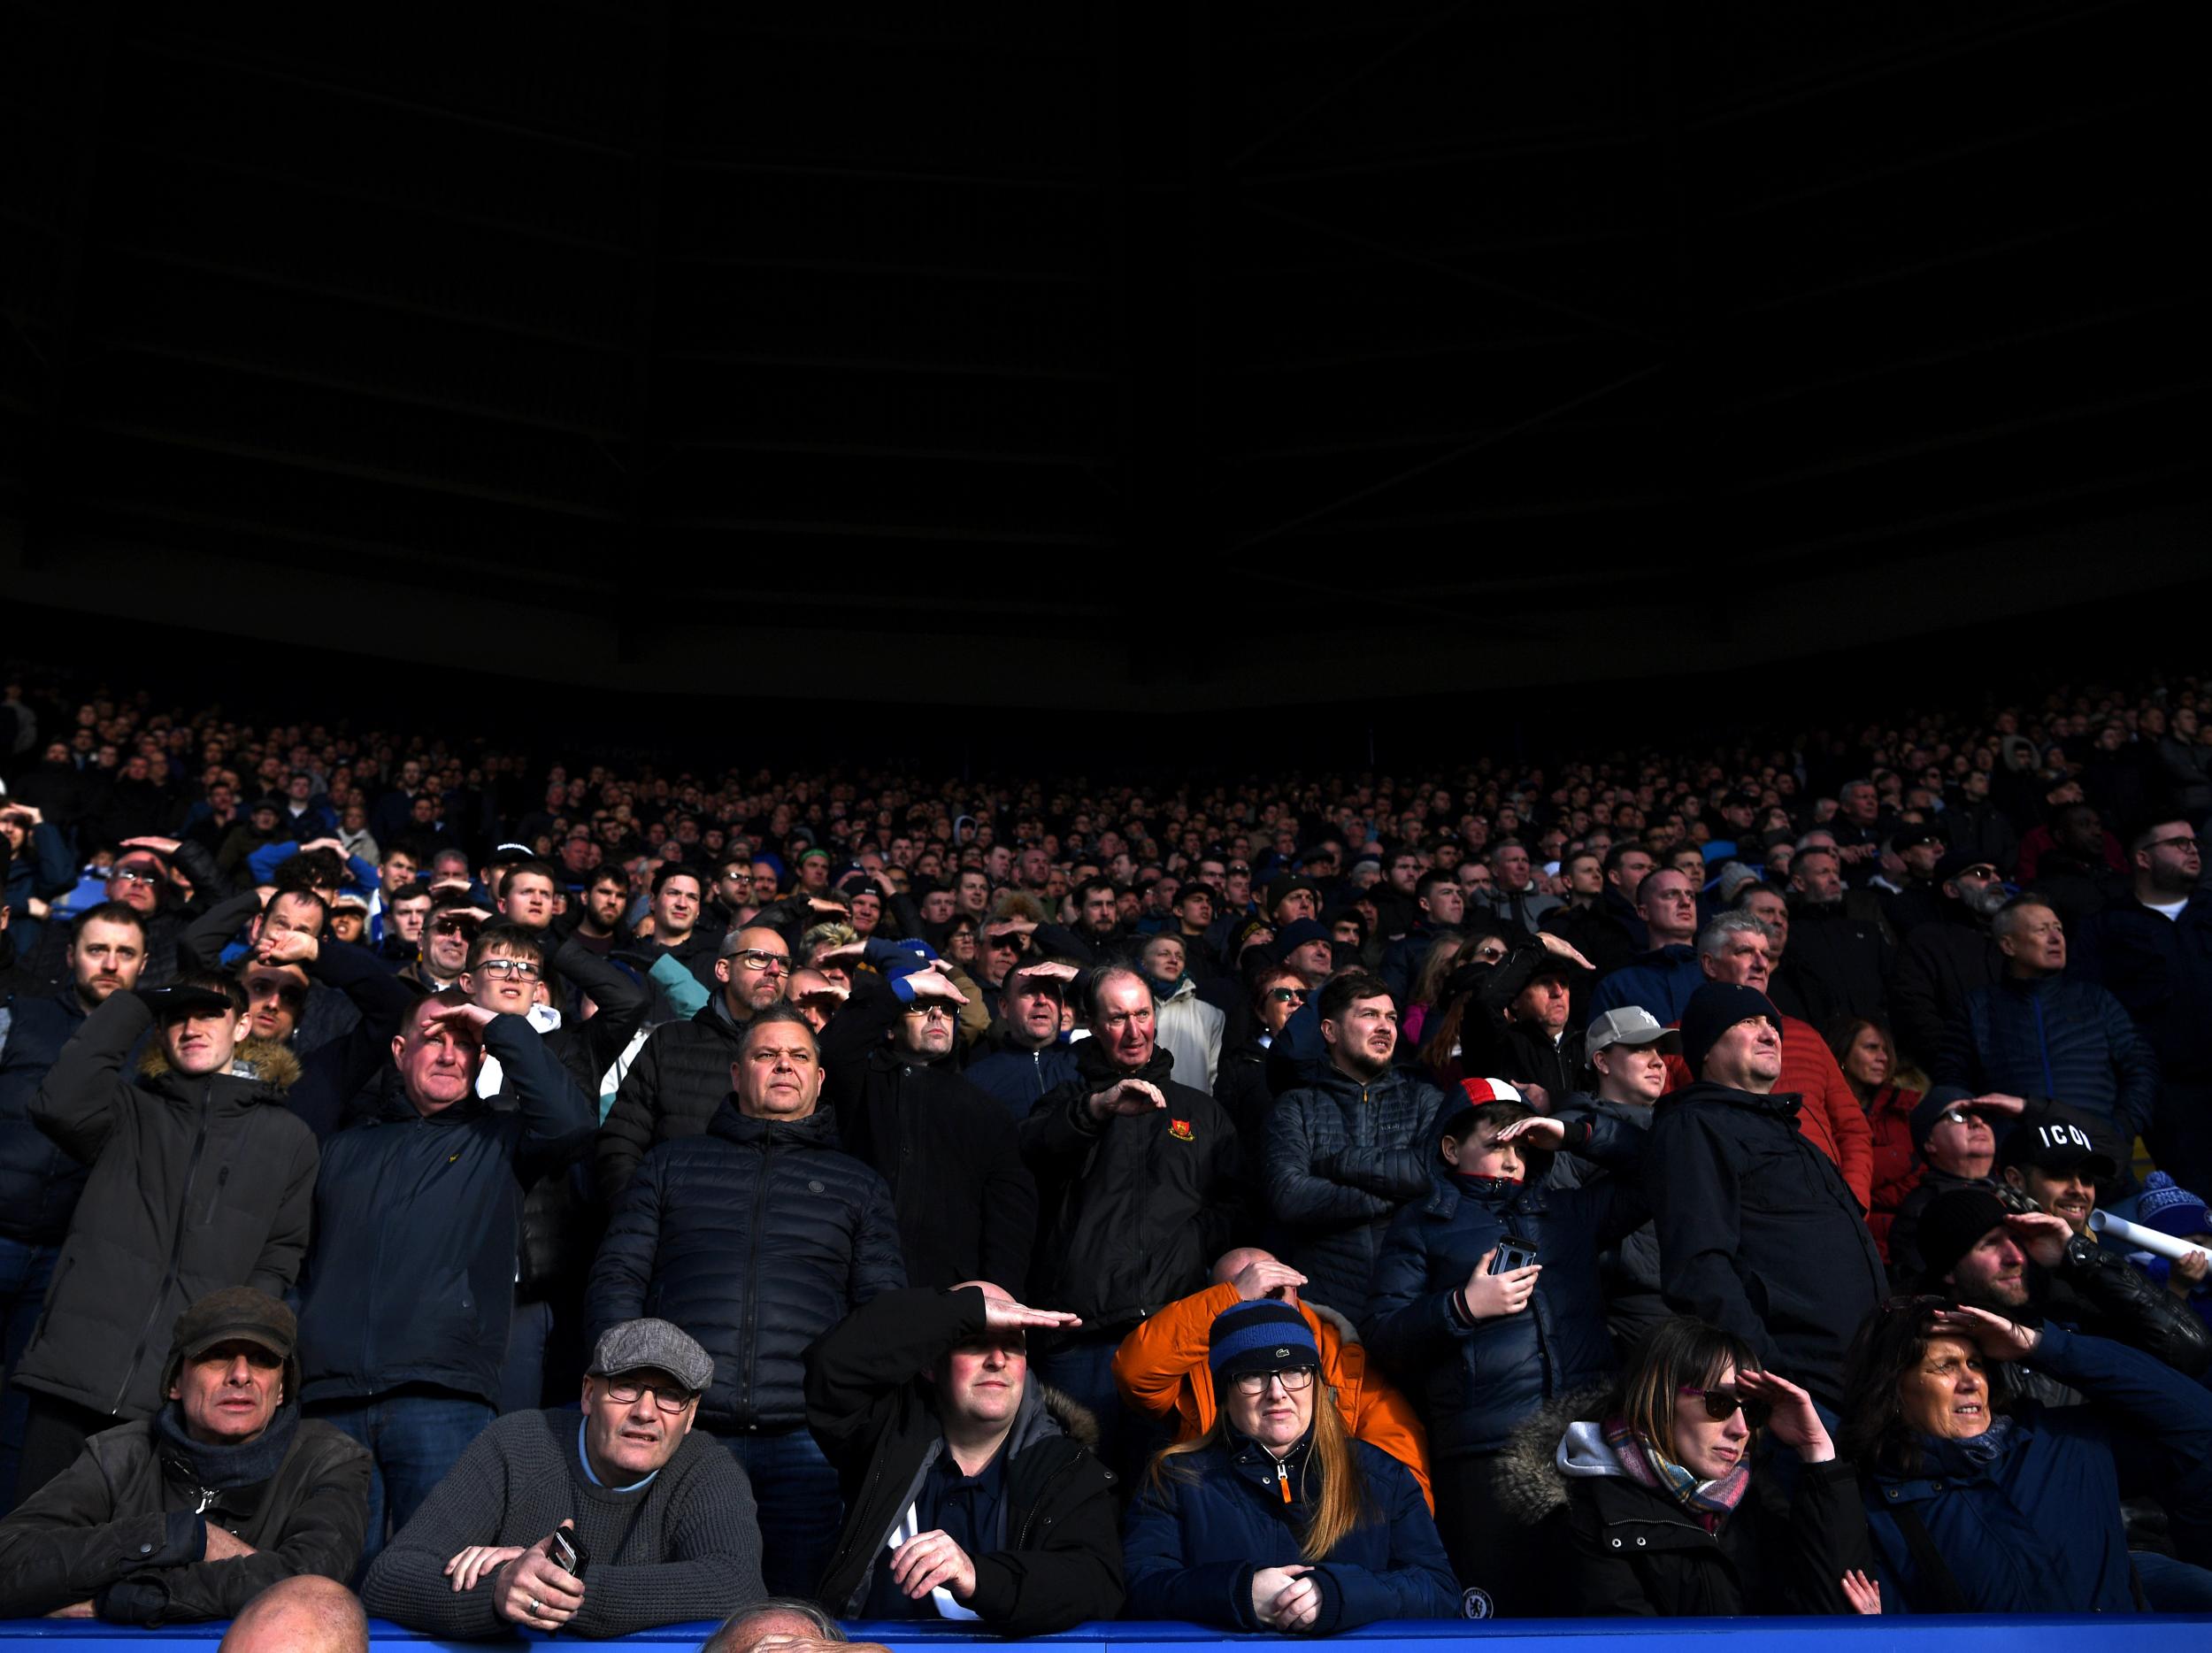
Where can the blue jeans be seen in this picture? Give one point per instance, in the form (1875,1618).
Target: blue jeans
(2170,1585)
(1082,1368)
(522,1376)
(26,1271)
(413,1440)
(800,1510)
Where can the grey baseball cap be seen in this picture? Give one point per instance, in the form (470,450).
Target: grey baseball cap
(1631,1025)
(636,1345)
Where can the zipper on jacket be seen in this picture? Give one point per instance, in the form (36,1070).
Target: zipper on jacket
(215,1202)
(176,1249)
(1037,1504)
(745,1366)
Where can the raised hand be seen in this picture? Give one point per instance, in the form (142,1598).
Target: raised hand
(1998,1338)
(1009,1316)
(1534,1131)
(2042,1236)
(1795,1422)
(1862,1592)
(1127,1097)
(1256,1280)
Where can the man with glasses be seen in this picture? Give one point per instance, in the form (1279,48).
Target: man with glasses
(1946,958)
(448,933)
(659,1522)
(1661,978)
(681,1072)
(969,1497)
(1028,1057)
(967,1207)
(2153,953)
(408,1294)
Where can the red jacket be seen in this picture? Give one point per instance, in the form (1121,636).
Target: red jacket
(1829,1114)
(1897,1168)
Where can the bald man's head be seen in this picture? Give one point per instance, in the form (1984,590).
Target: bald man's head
(1234,1263)
(307,1614)
(777,1617)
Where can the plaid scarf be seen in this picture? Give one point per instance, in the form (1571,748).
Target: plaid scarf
(1708,1501)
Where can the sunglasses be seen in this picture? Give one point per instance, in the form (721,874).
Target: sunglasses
(454,926)
(1721,1404)
(1288,995)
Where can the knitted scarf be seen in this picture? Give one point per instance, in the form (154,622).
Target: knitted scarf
(216,1467)
(1707,1501)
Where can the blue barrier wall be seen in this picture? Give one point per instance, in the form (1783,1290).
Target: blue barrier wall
(2085,1633)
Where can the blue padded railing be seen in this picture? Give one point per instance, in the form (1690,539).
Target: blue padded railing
(2083,1633)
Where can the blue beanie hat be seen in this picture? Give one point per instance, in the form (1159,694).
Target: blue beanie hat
(1712,1010)
(1265,1335)
(2170,1208)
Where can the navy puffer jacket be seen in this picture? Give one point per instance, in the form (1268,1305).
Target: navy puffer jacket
(2053,1037)
(1476,1384)
(39,1184)
(1197,1533)
(1343,1158)
(756,1238)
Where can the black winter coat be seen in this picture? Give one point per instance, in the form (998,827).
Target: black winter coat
(675,1085)
(1848,951)
(1343,1158)
(1758,1233)
(195,1184)
(416,1218)
(39,1184)
(1940,964)
(966,1204)
(123,1527)
(1134,1210)
(1631,1551)
(1476,1384)
(1060,1563)
(756,1238)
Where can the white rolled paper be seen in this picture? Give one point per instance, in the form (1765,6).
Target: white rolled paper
(2141,1238)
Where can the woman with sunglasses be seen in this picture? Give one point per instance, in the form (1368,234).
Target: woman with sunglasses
(1661,1517)
(1276,1518)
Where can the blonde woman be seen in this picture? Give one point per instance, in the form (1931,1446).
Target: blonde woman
(1275,1518)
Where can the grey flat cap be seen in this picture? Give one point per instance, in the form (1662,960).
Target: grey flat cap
(636,1345)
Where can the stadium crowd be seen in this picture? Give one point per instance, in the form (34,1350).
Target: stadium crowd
(485,1188)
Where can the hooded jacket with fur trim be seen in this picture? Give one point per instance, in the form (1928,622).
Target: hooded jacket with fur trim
(195,1183)
(868,1403)
(1631,1550)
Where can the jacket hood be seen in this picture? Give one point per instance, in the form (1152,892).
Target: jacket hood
(1049,1411)
(261,1061)
(1348,1335)
(818,1129)
(1531,1484)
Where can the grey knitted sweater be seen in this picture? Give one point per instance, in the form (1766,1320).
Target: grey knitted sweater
(685,1547)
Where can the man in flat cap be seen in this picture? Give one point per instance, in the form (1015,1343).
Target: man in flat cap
(191,1513)
(614,1521)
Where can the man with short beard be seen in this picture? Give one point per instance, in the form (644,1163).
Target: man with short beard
(39,1183)
(2152,953)
(1348,1152)
(1946,958)
(192,1132)
(1982,1252)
